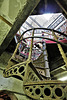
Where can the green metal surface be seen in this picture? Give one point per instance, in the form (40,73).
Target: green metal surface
(17,11)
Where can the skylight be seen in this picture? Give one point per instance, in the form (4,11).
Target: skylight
(47,16)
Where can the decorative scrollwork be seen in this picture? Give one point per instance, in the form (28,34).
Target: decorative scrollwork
(48,90)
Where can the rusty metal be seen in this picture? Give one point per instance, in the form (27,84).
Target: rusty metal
(22,69)
(13,92)
(34,84)
(17,71)
(8,95)
(46,90)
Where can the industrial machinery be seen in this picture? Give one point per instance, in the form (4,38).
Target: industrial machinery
(35,74)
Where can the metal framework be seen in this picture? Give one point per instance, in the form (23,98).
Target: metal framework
(35,85)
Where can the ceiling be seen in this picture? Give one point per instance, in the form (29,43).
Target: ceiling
(51,6)
(51,21)
(46,6)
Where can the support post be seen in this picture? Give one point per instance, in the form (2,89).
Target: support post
(47,70)
(31,46)
(61,50)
